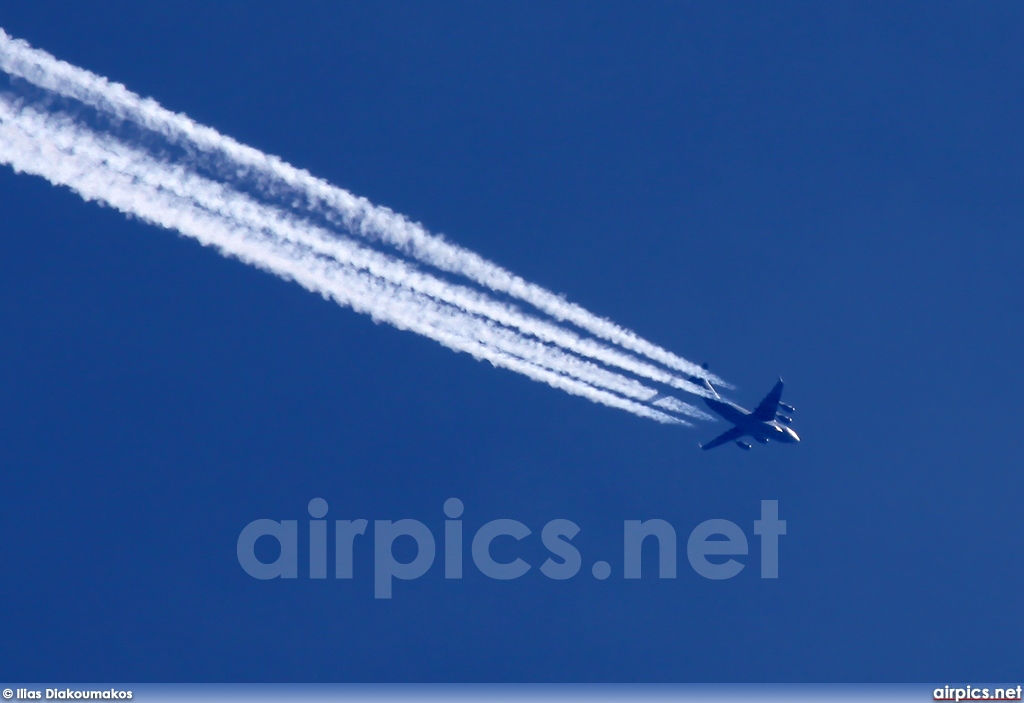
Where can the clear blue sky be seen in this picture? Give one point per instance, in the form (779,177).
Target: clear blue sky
(827,192)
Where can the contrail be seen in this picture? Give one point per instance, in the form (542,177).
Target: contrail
(35,144)
(242,209)
(101,167)
(275,178)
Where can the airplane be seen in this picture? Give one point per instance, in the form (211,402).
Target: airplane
(763,424)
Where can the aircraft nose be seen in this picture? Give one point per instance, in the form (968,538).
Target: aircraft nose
(796,437)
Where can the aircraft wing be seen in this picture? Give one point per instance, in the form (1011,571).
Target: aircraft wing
(724,438)
(767,408)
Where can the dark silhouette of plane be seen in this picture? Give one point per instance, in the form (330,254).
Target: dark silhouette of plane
(763,424)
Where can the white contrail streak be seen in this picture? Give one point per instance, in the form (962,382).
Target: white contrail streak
(99,165)
(101,169)
(242,209)
(356,214)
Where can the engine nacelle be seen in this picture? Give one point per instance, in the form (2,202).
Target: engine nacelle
(783,419)
(787,408)
(743,445)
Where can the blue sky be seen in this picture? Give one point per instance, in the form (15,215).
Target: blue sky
(827,193)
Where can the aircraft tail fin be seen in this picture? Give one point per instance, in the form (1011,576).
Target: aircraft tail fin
(703,382)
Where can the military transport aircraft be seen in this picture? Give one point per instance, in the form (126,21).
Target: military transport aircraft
(763,424)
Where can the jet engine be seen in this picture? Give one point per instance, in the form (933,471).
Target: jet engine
(783,419)
(787,408)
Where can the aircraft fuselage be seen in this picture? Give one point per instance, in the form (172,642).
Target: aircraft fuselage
(761,431)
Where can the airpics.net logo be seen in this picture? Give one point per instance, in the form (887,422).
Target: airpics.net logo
(713,548)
